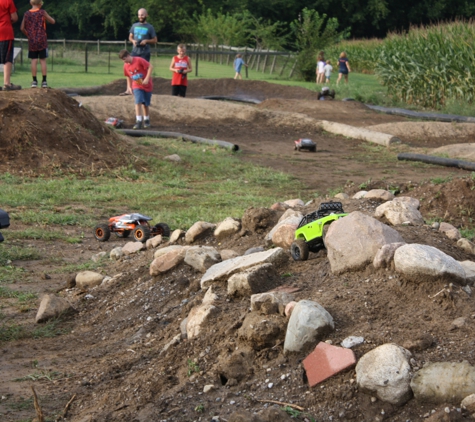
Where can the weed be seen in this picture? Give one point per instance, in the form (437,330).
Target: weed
(192,367)
(467,233)
(292,412)
(365,185)
(41,375)
(440,180)
(200,408)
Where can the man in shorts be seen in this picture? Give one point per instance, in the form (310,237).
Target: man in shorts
(139,82)
(141,35)
(8,16)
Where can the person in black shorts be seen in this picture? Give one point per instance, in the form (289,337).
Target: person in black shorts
(343,68)
(8,16)
(33,26)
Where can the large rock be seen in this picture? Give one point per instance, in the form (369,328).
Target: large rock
(52,306)
(261,332)
(444,382)
(308,323)
(469,268)
(270,302)
(384,257)
(133,247)
(234,265)
(227,228)
(259,278)
(426,263)
(284,235)
(386,372)
(401,210)
(379,195)
(167,261)
(202,257)
(292,221)
(198,317)
(466,245)
(450,231)
(199,230)
(257,220)
(88,279)
(353,241)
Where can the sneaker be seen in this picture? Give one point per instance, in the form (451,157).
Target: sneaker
(44,84)
(138,125)
(34,84)
(146,123)
(11,87)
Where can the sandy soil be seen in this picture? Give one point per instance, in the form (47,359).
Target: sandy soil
(109,356)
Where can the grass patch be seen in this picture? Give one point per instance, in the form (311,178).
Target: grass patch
(22,297)
(12,331)
(10,274)
(12,253)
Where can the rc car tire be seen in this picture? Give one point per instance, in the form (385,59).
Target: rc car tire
(163,229)
(102,232)
(124,234)
(141,233)
(332,93)
(299,250)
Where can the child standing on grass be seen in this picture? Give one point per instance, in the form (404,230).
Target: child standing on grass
(33,26)
(327,70)
(180,66)
(238,64)
(138,72)
(343,67)
(320,66)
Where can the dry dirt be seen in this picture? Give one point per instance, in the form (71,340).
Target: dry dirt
(109,360)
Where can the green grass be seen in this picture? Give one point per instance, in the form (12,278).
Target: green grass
(10,331)
(210,184)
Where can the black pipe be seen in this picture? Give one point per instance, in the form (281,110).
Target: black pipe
(190,138)
(430,159)
(425,116)
(225,98)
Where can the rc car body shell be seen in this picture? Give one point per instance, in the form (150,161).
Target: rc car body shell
(313,232)
(305,143)
(125,224)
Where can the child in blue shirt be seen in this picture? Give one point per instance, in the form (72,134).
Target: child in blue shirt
(238,63)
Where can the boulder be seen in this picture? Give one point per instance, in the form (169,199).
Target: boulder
(308,323)
(227,227)
(88,279)
(271,302)
(402,210)
(225,269)
(426,263)
(52,306)
(133,247)
(386,372)
(466,245)
(385,255)
(198,317)
(166,262)
(444,382)
(379,195)
(202,257)
(261,332)
(450,231)
(257,279)
(198,230)
(353,241)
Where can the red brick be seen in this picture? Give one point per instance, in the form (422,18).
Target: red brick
(325,361)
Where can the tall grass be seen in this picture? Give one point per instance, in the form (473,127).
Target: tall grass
(430,65)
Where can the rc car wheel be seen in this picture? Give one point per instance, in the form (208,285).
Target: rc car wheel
(141,233)
(332,93)
(102,232)
(299,250)
(313,149)
(163,229)
(123,234)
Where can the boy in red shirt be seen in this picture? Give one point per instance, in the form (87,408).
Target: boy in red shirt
(8,16)
(180,66)
(33,26)
(139,82)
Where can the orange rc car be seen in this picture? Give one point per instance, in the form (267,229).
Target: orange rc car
(135,223)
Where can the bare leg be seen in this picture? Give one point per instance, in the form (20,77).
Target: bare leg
(34,65)
(7,72)
(43,66)
(339,78)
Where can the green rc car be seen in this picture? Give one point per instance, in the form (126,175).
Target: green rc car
(311,231)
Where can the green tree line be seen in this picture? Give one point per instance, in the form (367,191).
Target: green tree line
(177,21)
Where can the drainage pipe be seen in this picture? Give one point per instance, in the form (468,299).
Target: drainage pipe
(431,159)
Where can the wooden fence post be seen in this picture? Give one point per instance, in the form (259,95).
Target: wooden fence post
(285,64)
(273,65)
(293,68)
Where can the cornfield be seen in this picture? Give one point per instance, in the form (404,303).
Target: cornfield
(430,65)
(362,54)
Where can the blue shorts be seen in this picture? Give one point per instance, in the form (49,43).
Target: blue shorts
(142,97)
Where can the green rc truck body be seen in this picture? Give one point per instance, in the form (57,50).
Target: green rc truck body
(310,233)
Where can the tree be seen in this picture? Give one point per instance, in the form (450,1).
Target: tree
(313,33)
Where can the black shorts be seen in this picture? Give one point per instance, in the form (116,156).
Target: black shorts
(179,90)
(6,51)
(42,54)
(145,56)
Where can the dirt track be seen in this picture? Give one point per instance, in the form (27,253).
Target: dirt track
(110,359)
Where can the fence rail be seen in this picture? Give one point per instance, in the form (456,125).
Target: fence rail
(101,56)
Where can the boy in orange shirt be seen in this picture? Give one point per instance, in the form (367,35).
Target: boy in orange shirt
(34,27)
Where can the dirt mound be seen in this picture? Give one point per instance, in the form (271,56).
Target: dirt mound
(243,89)
(45,131)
